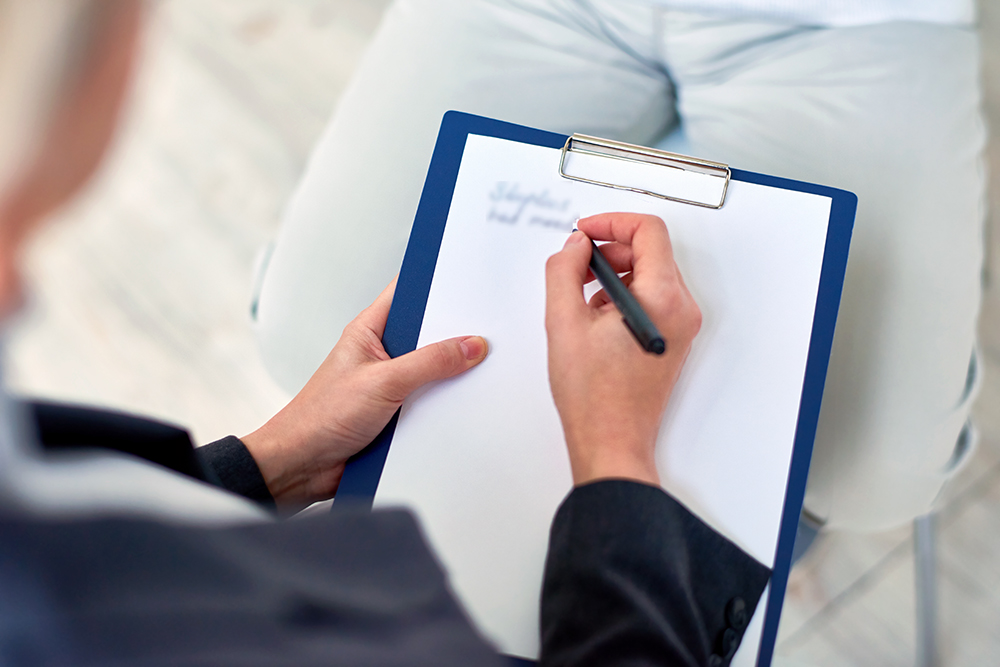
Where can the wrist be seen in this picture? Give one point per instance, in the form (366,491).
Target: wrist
(293,476)
(612,459)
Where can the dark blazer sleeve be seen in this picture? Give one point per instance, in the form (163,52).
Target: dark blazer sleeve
(62,427)
(230,462)
(634,578)
(358,589)
(226,463)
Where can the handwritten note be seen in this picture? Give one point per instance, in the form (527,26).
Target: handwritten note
(513,204)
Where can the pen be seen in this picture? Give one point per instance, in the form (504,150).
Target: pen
(634,317)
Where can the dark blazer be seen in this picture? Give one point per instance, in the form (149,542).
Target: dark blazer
(631,578)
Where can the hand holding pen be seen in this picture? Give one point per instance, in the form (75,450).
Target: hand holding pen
(610,392)
(634,317)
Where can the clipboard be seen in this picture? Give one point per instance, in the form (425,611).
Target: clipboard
(643,174)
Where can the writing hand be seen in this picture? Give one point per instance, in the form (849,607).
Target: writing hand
(610,393)
(301,451)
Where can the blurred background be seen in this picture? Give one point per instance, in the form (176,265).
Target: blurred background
(142,297)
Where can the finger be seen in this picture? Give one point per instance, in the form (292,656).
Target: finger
(598,300)
(374,316)
(619,257)
(437,361)
(565,273)
(652,253)
(601,298)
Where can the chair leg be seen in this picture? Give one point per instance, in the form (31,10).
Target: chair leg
(925,560)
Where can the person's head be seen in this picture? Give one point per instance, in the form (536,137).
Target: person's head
(64,69)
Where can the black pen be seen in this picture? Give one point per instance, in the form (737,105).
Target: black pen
(634,317)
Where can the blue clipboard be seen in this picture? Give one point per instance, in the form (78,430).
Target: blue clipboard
(361,477)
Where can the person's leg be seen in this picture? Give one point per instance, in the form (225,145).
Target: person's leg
(546,63)
(891,113)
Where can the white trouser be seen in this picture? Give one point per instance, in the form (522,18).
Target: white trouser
(888,111)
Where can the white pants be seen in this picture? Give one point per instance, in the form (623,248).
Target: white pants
(888,111)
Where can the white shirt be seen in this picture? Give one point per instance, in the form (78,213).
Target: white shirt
(836,12)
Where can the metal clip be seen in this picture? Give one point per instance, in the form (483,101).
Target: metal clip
(586,145)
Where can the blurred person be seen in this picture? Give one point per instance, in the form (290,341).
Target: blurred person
(878,97)
(119,543)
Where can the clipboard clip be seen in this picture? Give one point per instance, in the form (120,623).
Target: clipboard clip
(704,182)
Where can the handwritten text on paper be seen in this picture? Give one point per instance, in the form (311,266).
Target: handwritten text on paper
(512,204)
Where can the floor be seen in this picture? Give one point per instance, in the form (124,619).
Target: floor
(142,290)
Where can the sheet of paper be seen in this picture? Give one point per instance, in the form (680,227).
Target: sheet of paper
(481,457)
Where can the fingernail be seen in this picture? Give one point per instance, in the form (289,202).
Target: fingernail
(473,347)
(575,237)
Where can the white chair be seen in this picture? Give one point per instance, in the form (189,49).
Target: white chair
(924,527)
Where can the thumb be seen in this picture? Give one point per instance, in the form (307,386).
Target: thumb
(436,361)
(564,275)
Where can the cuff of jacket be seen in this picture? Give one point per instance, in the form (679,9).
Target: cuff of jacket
(231,463)
(631,574)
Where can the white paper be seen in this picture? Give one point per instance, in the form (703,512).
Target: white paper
(481,457)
